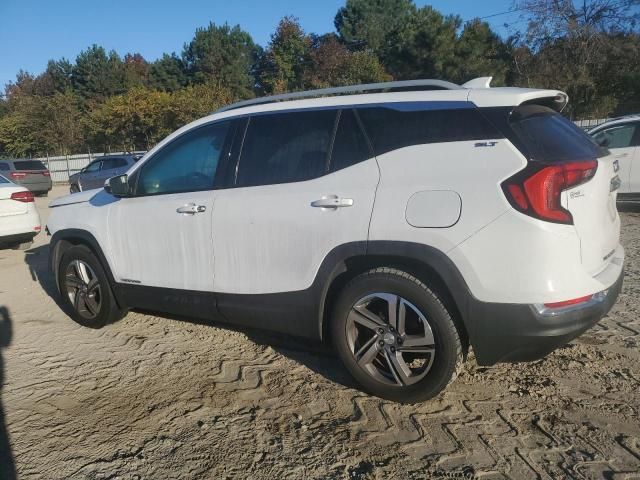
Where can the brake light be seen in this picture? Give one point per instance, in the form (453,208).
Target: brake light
(568,303)
(46,174)
(536,190)
(18,175)
(25,197)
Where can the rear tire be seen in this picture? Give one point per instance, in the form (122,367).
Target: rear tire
(395,336)
(85,289)
(74,188)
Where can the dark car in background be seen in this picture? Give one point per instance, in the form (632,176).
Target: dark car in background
(94,175)
(31,174)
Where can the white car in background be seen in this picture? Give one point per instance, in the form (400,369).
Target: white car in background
(622,137)
(19,219)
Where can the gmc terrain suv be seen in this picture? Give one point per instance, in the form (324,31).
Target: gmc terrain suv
(405,222)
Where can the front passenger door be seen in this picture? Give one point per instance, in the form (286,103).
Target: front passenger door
(162,236)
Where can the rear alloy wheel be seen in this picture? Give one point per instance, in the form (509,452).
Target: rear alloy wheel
(85,289)
(395,336)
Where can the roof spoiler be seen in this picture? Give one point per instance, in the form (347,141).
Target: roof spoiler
(480,82)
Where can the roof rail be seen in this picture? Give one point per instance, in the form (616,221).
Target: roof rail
(405,85)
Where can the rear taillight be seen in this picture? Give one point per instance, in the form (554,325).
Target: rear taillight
(46,174)
(18,175)
(536,190)
(26,197)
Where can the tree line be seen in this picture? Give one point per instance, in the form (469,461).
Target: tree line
(103,102)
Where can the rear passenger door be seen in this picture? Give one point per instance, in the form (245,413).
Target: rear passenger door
(303,185)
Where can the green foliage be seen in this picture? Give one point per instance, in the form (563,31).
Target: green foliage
(222,54)
(590,49)
(283,64)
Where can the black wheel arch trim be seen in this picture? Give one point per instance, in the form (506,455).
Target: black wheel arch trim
(78,236)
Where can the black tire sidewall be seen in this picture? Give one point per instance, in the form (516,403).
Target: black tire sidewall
(108,308)
(447,342)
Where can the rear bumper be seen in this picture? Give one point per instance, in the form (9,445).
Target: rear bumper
(517,332)
(17,238)
(42,186)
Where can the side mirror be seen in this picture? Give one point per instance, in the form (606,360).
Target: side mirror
(118,186)
(604,142)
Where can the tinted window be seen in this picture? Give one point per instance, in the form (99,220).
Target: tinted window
(29,165)
(111,163)
(620,136)
(549,137)
(93,167)
(188,163)
(4,166)
(286,147)
(404,125)
(350,146)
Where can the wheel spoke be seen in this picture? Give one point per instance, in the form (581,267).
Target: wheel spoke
(398,368)
(369,355)
(82,272)
(78,301)
(392,308)
(91,305)
(366,346)
(364,317)
(93,286)
(73,281)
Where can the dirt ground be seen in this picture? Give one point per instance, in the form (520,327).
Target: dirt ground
(154,397)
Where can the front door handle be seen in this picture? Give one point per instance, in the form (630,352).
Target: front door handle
(191,209)
(332,201)
(621,155)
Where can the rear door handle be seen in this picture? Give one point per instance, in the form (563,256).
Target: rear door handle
(191,209)
(332,201)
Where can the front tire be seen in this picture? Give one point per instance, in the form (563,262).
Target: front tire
(74,188)
(395,336)
(85,289)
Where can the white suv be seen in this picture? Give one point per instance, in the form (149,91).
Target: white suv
(405,226)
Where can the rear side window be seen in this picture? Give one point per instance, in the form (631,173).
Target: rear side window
(350,145)
(619,136)
(4,166)
(391,128)
(29,165)
(285,147)
(547,136)
(111,163)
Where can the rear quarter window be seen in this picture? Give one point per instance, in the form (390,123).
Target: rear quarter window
(393,127)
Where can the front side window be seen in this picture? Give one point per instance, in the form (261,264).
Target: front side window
(186,164)
(285,147)
(93,167)
(620,136)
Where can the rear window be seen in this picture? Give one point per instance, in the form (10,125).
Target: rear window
(547,136)
(4,166)
(29,165)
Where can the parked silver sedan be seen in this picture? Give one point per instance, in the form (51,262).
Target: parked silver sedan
(94,175)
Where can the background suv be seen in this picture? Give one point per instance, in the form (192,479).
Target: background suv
(405,223)
(31,174)
(622,137)
(94,175)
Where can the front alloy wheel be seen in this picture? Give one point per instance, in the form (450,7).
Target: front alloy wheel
(83,289)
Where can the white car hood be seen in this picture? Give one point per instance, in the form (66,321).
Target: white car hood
(79,197)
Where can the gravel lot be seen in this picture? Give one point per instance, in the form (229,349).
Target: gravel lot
(155,397)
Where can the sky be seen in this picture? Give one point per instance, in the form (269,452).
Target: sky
(34,31)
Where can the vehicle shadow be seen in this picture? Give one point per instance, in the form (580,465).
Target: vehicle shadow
(315,356)
(7,465)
